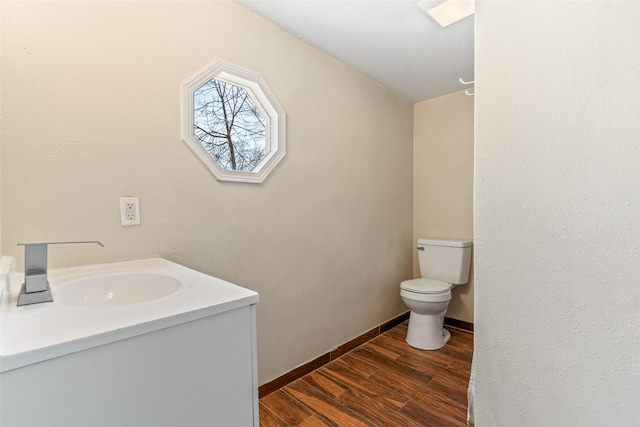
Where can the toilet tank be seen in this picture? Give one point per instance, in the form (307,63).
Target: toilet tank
(446,260)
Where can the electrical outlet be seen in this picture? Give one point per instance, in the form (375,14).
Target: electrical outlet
(129,210)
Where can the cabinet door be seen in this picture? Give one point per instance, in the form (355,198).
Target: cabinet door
(199,373)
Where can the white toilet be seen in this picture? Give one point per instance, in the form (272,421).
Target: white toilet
(443,265)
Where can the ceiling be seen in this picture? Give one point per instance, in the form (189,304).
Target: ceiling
(393,42)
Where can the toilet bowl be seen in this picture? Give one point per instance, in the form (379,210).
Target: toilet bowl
(444,263)
(428,301)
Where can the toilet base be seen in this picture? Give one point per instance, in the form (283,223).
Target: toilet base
(426,331)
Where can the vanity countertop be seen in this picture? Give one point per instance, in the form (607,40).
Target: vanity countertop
(33,333)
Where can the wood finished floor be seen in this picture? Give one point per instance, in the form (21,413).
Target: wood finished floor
(383,383)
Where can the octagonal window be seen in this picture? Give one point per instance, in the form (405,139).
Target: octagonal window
(233,123)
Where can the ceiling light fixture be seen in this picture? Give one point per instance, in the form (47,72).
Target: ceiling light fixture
(446,12)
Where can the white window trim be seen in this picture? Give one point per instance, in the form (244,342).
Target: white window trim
(267,102)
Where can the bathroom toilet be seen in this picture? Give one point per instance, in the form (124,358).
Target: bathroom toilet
(443,265)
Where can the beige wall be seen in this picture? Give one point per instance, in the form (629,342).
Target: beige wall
(557,213)
(90,112)
(443,181)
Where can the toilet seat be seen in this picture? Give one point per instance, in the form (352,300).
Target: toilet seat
(425,286)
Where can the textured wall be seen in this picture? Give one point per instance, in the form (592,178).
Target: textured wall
(90,112)
(443,181)
(557,213)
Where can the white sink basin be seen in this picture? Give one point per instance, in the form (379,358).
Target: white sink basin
(115,289)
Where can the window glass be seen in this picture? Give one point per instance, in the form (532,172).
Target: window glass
(229,125)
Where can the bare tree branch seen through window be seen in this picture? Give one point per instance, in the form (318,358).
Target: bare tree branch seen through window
(229,125)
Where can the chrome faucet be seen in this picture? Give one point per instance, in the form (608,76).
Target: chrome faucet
(35,288)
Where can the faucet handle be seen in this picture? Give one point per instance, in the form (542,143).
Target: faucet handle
(35,255)
(61,243)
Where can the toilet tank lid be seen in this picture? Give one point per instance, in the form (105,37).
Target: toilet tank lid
(454,243)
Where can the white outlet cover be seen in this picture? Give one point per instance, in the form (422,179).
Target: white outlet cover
(129,211)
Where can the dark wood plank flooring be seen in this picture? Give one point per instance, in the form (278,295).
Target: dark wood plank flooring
(383,383)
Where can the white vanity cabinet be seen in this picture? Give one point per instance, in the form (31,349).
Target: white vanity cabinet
(189,366)
(199,373)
